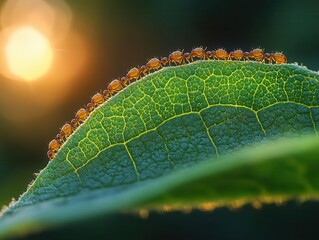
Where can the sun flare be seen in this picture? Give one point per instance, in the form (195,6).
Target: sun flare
(28,53)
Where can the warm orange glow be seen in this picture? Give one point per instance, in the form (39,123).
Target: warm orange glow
(28,53)
(37,42)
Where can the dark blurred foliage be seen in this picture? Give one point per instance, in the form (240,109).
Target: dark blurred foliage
(123,34)
(291,221)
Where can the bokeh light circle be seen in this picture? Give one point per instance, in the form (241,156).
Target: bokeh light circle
(28,53)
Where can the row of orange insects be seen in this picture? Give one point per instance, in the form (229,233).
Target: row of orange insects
(176,57)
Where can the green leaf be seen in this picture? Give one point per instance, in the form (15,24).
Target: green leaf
(133,149)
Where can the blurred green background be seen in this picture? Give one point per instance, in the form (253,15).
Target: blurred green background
(118,35)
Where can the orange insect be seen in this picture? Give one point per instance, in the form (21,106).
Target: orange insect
(153,64)
(257,54)
(186,56)
(198,52)
(267,56)
(134,73)
(66,130)
(59,137)
(143,70)
(106,94)
(97,99)
(237,54)
(246,55)
(74,124)
(124,81)
(50,154)
(115,86)
(210,54)
(54,145)
(81,115)
(89,107)
(164,61)
(176,57)
(278,57)
(221,54)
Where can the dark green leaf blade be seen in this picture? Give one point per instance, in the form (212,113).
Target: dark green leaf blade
(280,170)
